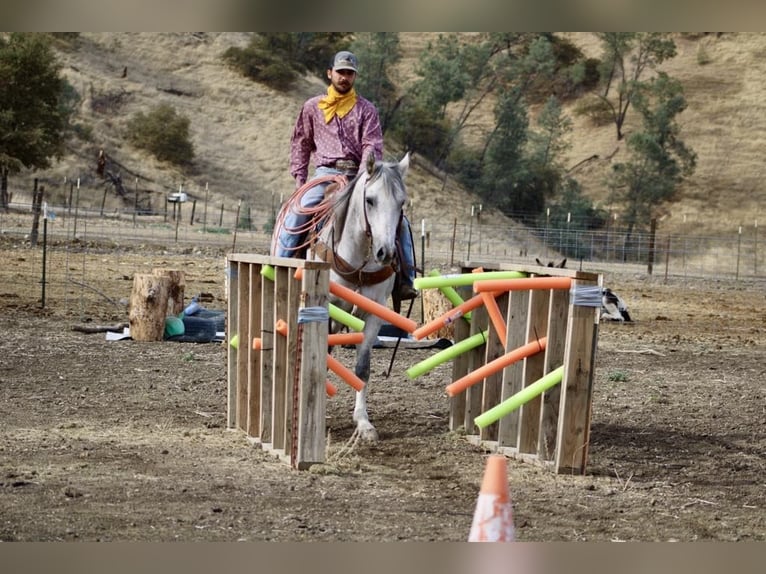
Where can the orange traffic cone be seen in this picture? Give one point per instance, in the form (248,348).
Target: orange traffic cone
(493,517)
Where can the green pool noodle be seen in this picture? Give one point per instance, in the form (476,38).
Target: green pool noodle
(345,318)
(268,272)
(464,279)
(451,295)
(523,396)
(447,354)
(336,313)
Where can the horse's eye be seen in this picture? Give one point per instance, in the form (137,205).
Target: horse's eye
(370,202)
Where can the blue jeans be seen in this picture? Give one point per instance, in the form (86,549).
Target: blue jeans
(408,251)
(288,241)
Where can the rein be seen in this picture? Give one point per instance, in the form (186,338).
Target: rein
(349,273)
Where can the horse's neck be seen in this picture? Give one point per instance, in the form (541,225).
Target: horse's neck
(347,237)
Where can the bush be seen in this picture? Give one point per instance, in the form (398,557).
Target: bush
(595,109)
(277,59)
(163,133)
(246,220)
(261,66)
(703,58)
(420,131)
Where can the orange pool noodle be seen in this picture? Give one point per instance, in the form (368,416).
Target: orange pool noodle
(345,338)
(495,315)
(330,389)
(492,367)
(332,339)
(281,327)
(448,317)
(344,373)
(522,284)
(368,305)
(333,364)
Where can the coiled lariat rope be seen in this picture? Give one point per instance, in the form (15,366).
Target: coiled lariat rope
(318,215)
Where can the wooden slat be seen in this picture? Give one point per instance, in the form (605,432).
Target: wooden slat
(513,375)
(534,369)
(575,409)
(475,357)
(276,261)
(313,373)
(292,377)
(232,300)
(554,358)
(533,270)
(243,324)
(460,367)
(281,360)
(254,364)
(267,360)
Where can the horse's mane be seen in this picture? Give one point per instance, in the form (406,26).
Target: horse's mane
(338,209)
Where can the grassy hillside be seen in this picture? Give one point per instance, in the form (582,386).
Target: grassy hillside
(241,130)
(723,79)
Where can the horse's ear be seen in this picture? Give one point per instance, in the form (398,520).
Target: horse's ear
(404,164)
(370,164)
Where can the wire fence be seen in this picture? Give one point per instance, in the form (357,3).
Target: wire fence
(61,260)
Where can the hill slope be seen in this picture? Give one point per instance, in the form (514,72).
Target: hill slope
(241,129)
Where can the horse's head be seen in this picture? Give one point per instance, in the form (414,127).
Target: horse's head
(381,195)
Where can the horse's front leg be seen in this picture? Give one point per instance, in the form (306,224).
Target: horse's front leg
(365,428)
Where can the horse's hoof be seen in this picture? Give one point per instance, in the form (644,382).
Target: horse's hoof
(367,433)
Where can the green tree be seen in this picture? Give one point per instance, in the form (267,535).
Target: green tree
(627,56)
(528,161)
(164,133)
(378,53)
(449,72)
(659,160)
(541,172)
(549,142)
(503,179)
(33,114)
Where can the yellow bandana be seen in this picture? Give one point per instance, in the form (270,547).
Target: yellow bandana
(336,104)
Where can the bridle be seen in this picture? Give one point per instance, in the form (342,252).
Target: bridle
(356,275)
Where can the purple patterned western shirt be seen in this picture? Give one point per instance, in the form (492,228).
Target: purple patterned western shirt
(352,137)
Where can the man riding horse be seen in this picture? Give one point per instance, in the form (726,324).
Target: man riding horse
(342,130)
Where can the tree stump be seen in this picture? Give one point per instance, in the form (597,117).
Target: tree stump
(148,307)
(176,289)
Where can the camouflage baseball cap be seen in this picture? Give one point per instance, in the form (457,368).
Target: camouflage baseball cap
(344,61)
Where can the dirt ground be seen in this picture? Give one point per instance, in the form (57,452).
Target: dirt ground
(127,441)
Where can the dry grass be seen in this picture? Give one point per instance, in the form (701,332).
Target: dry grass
(241,130)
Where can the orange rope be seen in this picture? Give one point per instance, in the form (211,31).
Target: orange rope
(318,214)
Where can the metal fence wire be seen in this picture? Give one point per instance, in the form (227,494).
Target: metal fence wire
(64,261)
